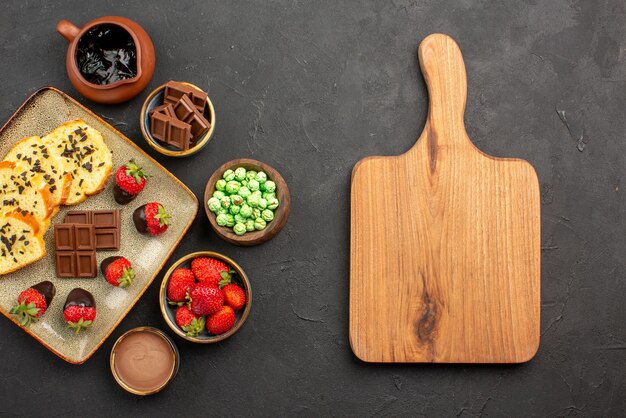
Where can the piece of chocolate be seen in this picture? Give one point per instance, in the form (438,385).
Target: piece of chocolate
(106,225)
(75,246)
(79,297)
(186,111)
(84,237)
(64,237)
(174,91)
(165,109)
(47,289)
(66,264)
(158,126)
(78,217)
(107,239)
(179,134)
(86,265)
(106,218)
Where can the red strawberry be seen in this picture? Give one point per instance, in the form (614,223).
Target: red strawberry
(79,310)
(188,321)
(209,269)
(118,271)
(205,299)
(151,218)
(33,302)
(178,285)
(234,296)
(221,321)
(129,181)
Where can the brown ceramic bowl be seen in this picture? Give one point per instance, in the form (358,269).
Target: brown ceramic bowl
(169,311)
(280,214)
(155,99)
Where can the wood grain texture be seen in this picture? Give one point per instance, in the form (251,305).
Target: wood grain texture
(445,241)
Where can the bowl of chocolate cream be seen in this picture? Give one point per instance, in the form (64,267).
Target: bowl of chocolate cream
(144,360)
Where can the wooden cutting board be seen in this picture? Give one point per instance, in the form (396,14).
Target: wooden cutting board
(445,242)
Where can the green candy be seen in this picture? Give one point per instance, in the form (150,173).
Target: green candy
(253,185)
(236,200)
(267,195)
(272,203)
(225,201)
(249,225)
(246,211)
(230,220)
(229,175)
(239,229)
(214,204)
(218,194)
(259,224)
(244,192)
(262,203)
(221,210)
(240,174)
(240,219)
(234,209)
(253,200)
(267,215)
(244,182)
(222,219)
(251,174)
(256,213)
(220,185)
(261,177)
(232,187)
(270,186)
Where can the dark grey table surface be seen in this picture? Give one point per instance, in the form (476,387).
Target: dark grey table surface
(312,87)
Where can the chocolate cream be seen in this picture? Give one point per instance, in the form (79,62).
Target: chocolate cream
(144,360)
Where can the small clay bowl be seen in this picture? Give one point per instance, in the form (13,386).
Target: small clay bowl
(155,99)
(280,214)
(167,341)
(169,311)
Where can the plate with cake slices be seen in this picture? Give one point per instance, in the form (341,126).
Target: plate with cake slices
(62,172)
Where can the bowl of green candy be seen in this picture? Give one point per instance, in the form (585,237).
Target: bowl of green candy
(247,202)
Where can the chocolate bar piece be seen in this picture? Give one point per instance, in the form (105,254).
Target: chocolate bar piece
(106,225)
(188,113)
(179,134)
(159,126)
(170,131)
(165,109)
(174,91)
(75,246)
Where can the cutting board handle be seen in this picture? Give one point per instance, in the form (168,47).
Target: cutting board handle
(443,68)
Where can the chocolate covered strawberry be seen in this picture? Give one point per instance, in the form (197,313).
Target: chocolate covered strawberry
(234,296)
(221,321)
(178,286)
(118,271)
(188,321)
(33,302)
(211,270)
(129,181)
(151,219)
(205,299)
(79,310)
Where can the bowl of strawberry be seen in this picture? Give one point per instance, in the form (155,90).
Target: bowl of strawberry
(205,297)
